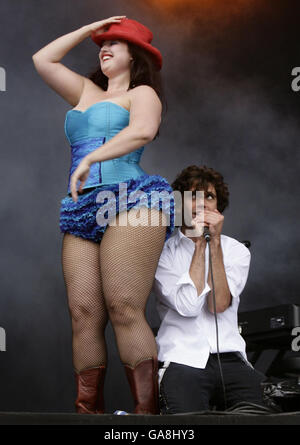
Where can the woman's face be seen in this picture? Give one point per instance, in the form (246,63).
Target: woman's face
(114,57)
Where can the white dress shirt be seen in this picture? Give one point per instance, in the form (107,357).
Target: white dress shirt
(187,334)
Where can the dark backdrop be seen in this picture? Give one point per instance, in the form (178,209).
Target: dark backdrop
(227,71)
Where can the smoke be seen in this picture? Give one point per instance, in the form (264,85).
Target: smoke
(230,106)
(207,9)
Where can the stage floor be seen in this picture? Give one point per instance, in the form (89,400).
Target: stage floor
(14,418)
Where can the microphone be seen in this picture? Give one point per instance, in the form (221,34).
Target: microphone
(206,234)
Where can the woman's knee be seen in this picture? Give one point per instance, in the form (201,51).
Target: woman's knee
(86,307)
(122,312)
(81,310)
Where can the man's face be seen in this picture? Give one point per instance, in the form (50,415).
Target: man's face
(191,211)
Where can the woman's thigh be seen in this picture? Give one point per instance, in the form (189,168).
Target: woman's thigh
(81,270)
(129,256)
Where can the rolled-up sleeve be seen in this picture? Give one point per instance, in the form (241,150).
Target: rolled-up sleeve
(177,291)
(237,269)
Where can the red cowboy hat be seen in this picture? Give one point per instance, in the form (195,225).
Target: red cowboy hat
(131,31)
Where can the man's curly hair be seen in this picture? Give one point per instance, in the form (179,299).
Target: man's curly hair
(199,178)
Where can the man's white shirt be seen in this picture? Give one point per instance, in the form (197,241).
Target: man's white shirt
(187,334)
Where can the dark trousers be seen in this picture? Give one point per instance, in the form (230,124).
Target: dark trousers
(187,389)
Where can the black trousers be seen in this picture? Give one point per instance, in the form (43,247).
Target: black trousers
(187,389)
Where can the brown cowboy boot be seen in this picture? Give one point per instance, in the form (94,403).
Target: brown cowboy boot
(143,381)
(90,384)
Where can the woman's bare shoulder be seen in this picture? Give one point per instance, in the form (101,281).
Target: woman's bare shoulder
(143,93)
(142,89)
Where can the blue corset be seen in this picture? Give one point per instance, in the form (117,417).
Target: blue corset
(88,130)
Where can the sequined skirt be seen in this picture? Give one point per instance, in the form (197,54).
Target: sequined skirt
(89,216)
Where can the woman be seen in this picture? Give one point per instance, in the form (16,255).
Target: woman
(109,267)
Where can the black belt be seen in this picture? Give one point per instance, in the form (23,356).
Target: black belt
(214,355)
(225,355)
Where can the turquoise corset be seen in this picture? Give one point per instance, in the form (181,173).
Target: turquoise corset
(88,130)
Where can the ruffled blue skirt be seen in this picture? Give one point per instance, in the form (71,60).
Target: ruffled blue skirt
(86,217)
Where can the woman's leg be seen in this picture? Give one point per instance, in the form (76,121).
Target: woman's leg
(80,260)
(128,260)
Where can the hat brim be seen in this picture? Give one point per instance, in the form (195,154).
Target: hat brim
(123,35)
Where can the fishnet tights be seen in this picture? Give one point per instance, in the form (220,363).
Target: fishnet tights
(116,280)
(81,269)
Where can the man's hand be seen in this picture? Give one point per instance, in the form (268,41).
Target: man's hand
(198,225)
(214,220)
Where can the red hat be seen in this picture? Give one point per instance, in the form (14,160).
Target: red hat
(131,31)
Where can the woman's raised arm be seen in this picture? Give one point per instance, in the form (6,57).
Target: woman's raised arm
(61,79)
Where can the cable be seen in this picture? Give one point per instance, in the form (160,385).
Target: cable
(216,321)
(241,408)
(249,408)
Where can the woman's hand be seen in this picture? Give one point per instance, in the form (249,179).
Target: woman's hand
(80,174)
(97,28)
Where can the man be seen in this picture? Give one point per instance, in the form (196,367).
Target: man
(191,378)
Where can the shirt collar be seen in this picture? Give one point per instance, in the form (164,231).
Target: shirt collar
(181,236)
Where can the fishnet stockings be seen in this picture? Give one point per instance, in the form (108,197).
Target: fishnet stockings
(119,285)
(81,269)
(128,260)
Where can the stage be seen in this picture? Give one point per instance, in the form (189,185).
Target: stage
(189,420)
(225,105)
